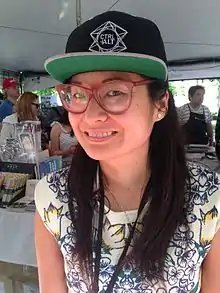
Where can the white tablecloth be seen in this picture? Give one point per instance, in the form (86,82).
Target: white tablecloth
(17,237)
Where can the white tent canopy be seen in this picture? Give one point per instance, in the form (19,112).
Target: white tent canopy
(32,30)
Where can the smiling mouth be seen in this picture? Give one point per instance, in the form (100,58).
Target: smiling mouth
(100,135)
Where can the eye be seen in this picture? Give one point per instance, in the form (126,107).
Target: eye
(79,96)
(114,93)
(66,96)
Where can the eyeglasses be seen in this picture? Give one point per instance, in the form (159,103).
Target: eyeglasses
(35,104)
(114,97)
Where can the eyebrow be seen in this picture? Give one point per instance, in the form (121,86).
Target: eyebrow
(75,81)
(113,78)
(106,80)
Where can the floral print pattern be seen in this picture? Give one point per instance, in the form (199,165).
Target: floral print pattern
(187,248)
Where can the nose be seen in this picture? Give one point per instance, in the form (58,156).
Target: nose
(94,113)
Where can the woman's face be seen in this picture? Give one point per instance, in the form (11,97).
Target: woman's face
(106,136)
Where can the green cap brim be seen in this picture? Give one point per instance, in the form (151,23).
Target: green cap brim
(64,66)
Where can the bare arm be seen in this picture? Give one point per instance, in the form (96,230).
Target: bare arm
(210,131)
(6,131)
(180,115)
(55,143)
(49,259)
(211,268)
(55,138)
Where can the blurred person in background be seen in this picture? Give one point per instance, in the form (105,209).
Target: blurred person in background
(11,92)
(26,110)
(48,117)
(217,136)
(62,138)
(1,97)
(195,118)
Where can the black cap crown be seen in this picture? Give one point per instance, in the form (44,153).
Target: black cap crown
(117,32)
(112,41)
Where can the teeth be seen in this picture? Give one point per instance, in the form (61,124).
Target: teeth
(100,134)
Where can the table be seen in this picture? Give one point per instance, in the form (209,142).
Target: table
(213,163)
(17,237)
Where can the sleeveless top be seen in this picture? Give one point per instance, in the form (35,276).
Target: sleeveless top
(66,141)
(187,249)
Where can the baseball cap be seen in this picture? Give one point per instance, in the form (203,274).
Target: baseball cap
(8,83)
(112,41)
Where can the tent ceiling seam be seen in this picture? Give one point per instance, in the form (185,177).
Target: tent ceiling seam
(113,5)
(191,43)
(32,31)
(78,13)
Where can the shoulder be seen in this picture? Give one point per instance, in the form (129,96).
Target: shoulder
(203,196)
(5,109)
(206,110)
(203,179)
(183,108)
(192,240)
(51,197)
(6,104)
(56,128)
(53,187)
(3,104)
(11,119)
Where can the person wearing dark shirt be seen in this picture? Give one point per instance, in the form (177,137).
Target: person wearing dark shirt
(195,118)
(11,91)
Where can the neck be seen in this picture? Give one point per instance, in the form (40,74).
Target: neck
(13,100)
(127,177)
(194,106)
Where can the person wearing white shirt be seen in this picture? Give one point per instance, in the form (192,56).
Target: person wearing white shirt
(26,110)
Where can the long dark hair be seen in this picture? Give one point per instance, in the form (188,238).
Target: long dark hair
(167,207)
(64,119)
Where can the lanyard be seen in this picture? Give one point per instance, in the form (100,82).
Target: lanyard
(99,245)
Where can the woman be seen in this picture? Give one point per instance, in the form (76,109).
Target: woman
(62,140)
(130,215)
(26,110)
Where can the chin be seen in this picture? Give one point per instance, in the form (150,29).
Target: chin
(100,154)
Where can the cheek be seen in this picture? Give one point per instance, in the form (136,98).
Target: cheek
(146,112)
(74,122)
(10,92)
(139,121)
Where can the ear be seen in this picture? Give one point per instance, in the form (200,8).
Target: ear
(161,107)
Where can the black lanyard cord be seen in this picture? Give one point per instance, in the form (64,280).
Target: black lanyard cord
(99,244)
(121,259)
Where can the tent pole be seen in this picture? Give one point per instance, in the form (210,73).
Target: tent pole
(21,79)
(78,13)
